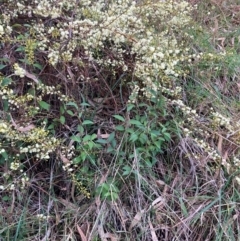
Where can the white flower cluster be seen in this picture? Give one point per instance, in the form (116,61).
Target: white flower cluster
(188,111)
(236,161)
(17,182)
(69,166)
(134,94)
(45,9)
(1,31)
(187,132)
(53,57)
(15,165)
(220,120)
(24,180)
(212,153)
(42,217)
(19,71)
(4,127)
(43,147)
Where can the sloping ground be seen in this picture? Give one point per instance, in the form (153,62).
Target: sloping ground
(119,121)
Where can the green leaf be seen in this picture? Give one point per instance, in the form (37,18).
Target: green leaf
(62,120)
(111,137)
(129,107)
(110,149)
(20,49)
(143,138)
(62,109)
(90,145)
(120,128)
(127,170)
(32,91)
(130,130)
(86,138)
(155,133)
(87,122)
(5,105)
(85,104)
(102,141)
(167,136)
(44,105)
(72,104)
(4,155)
(6,81)
(38,66)
(77,160)
(119,117)
(133,137)
(70,112)
(158,144)
(6,198)
(51,126)
(2,66)
(135,122)
(76,138)
(83,156)
(80,129)
(93,136)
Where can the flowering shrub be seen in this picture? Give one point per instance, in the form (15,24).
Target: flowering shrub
(59,53)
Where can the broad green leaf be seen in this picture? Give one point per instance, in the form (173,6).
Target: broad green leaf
(2,66)
(130,130)
(102,141)
(5,105)
(120,128)
(76,138)
(6,81)
(119,117)
(70,112)
(127,170)
(133,137)
(87,138)
(110,149)
(80,129)
(135,122)
(77,160)
(111,137)
(44,105)
(155,133)
(38,66)
(85,104)
(87,122)
(62,120)
(32,91)
(129,107)
(62,109)
(93,136)
(143,138)
(90,145)
(20,49)
(72,104)
(6,198)
(5,155)
(5,60)
(167,136)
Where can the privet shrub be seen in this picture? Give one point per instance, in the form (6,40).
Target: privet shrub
(57,56)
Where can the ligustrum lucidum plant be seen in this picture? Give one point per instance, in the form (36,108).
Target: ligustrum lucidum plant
(83,46)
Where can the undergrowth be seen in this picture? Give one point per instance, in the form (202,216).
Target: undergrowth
(119,120)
